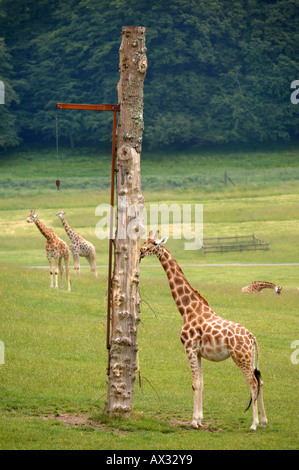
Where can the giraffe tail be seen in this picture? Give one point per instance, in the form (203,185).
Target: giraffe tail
(257,372)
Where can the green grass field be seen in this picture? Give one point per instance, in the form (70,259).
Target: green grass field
(53,381)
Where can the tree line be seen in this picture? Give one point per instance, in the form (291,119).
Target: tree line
(219,72)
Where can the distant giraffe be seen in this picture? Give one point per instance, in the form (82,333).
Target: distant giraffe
(258,286)
(205,334)
(79,246)
(55,248)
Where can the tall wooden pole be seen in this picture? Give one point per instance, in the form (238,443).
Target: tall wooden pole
(125,294)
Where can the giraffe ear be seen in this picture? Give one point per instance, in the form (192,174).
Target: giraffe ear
(162,241)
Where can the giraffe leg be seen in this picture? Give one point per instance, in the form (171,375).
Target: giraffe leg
(61,273)
(197,382)
(92,261)
(264,420)
(67,269)
(255,421)
(246,369)
(197,385)
(51,269)
(76,258)
(56,271)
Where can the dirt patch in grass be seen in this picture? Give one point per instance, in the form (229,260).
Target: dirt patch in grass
(82,420)
(206,426)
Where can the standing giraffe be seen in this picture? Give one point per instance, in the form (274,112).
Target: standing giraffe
(258,286)
(56,248)
(79,246)
(205,334)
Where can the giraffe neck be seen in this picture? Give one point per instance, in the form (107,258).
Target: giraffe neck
(265,285)
(182,291)
(45,231)
(70,232)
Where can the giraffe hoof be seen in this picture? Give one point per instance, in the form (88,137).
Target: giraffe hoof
(196,424)
(253,427)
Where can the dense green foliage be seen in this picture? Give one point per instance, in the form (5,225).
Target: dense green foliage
(219,72)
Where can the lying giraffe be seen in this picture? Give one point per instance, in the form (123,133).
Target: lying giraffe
(206,335)
(79,246)
(258,286)
(55,248)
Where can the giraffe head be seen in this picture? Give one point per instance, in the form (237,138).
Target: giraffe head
(61,214)
(32,217)
(278,290)
(152,245)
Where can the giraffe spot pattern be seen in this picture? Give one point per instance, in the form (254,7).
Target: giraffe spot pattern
(204,333)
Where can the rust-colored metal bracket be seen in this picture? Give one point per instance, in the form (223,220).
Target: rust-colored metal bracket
(90,107)
(115,108)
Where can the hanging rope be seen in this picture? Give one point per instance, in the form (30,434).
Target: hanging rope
(57,153)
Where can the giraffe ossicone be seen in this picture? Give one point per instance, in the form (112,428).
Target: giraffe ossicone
(55,248)
(79,246)
(206,335)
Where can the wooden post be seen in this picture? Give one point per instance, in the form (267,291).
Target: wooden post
(125,293)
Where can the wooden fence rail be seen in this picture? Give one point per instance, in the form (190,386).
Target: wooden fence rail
(236,243)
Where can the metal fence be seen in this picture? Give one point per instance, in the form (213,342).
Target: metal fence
(211,179)
(236,243)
